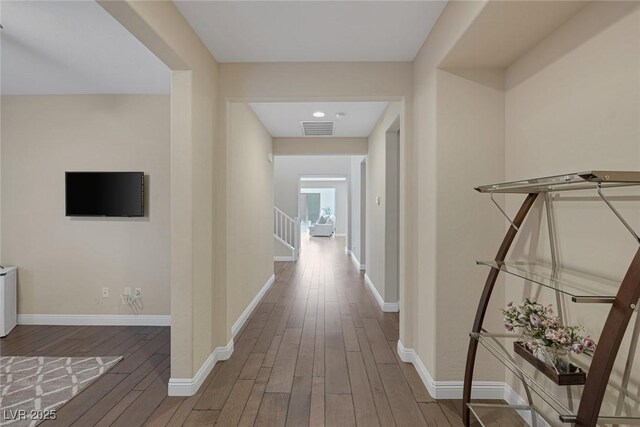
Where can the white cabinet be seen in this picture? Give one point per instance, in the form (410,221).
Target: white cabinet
(8,300)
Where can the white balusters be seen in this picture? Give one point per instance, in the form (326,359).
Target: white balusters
(287,230)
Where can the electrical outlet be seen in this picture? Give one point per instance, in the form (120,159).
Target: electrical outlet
(127,291)
(138,293)
(105,292)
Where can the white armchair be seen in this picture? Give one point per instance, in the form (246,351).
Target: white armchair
(325,226)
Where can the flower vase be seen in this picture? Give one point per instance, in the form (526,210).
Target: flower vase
(556,358)
(554,364)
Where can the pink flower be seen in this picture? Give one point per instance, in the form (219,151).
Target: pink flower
(564,338)
(577,348)
(588,343)
(535,320)
(508,326)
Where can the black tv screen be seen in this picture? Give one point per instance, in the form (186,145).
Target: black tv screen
(104,193)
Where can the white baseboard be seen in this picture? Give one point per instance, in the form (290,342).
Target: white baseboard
(190,386)
(453,389)
(450,389)
(94,319)
(283,258)
(385,306)
(252,305)
(356,262)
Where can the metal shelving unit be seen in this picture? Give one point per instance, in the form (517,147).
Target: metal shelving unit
(580,288)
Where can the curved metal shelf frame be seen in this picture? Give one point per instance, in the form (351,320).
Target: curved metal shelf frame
(622,306)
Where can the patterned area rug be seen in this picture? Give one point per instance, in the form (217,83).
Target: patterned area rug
(32,388)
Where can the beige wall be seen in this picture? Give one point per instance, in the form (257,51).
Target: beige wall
(319,146)
(421,300)
(198,208)
(358,211)
(376,214)
(573,104)
(64,262)
(470,151)
(570,102)
(249,209)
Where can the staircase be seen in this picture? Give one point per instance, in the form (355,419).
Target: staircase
(286,230)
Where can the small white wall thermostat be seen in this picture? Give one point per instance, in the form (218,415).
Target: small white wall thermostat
(378,200)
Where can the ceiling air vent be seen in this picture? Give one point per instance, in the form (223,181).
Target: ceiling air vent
(318,128)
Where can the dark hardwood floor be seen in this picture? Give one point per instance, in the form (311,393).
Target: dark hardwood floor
(317,351)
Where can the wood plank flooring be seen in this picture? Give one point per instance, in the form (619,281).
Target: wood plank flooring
(317,351)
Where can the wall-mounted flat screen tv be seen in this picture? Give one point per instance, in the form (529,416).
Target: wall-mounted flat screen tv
(104,194)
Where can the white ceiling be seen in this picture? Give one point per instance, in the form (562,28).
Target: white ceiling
(73,47)
(294,31)
(282,119)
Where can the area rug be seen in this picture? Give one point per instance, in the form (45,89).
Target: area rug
(33,388)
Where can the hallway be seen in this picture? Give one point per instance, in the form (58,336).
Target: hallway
(318,351)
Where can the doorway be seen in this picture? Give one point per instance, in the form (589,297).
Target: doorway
(310,203)
(323,198)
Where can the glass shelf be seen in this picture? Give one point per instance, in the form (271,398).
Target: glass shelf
(492,414)
(569,181)
(612,412)
(582,288)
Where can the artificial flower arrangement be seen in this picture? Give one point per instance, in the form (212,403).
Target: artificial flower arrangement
(545,336)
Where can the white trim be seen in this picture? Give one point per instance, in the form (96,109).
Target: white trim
(356,262)
(321,179)
(94,319)
(282,241)
(450,389)
(453,389)
(339,234)
(252,305)
(190,386)
(291,257)
(385,306)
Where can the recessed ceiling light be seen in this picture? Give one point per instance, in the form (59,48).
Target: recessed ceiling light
(318,114)
(340,115)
